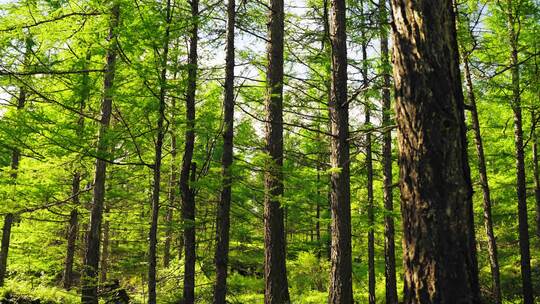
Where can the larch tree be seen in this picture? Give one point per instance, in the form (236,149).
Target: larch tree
(435,184)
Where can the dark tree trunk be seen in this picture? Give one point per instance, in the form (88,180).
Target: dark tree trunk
(389,243)
(188,199)
(340,205)
(521,186)
(275,272)
(91,259)
(152,236)
(438,253)
(75,187)
(6,236)
(221,256)
(536,172)
(488,221)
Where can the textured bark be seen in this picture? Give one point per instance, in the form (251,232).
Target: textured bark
(186,190)
(488,220)
(438,248)
(158,148)
(521,187)
(389,230)
(340,205)
(221,256)
(275,272)
(91,259)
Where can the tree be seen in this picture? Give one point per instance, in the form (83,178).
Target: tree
(221,256)
(275,273)
(341,269)
(434,182)
(91,258)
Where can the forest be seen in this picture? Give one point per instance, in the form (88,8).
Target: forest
(270,151)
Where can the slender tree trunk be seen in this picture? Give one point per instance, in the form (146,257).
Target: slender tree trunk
(188,199)
(75,186)
(318,214)
(6,236)
(389,243)
(221,256)
(91,259)
(104,264)
(369,169)
(435,184)
(536,172)
(275,272)
(152,236)
(341,261)
(520,162)
(488,221)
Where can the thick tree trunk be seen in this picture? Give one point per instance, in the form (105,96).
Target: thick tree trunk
(221,256)
(389,243)
(188,199)
(488,221)
(91,259)
(6,236)
(152,235)
(275,273)
(341,261)
(521,186)
(438,253)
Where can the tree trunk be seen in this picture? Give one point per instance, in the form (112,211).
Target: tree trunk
(152,236)
(275,272)
(389,243)
(488,221)
(91,260)
(341,261)
(521,186)
(188,199)
(75,187)
(6,236)
(536,172)
(221,256)
(436,192)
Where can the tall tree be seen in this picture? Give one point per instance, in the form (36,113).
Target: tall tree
(275,272)
(488,220)
(158,148)
(389,230)
(521,186)
(340,204)
(186,188)
(435,186)
(91,258)
(221,256)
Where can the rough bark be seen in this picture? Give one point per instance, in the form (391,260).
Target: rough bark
(6,236)
(438,250)
(275,272)
(91,259)
(221,256)
(389,230)
(186,190)
(521,186)
(340,205)
(488,220)
(67,279)
(158,148)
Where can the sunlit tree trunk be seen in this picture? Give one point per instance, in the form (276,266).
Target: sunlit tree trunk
(91,260)
(341,261)
(439,252)
(275,273)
